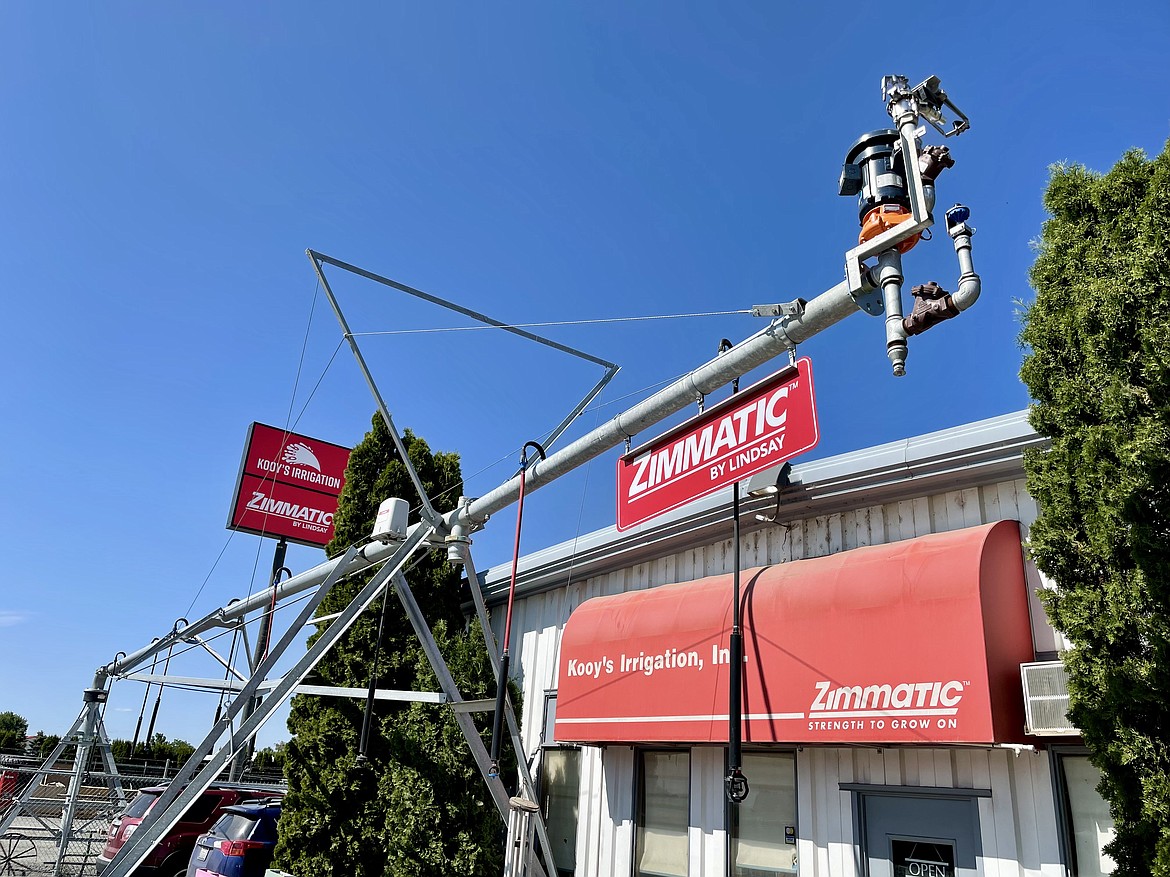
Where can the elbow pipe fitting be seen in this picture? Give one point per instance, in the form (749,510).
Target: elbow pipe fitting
(969,283)
(933,304)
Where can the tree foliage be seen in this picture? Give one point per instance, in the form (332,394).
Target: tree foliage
(417,805)
(1098,368)
(42,744)
(155,752)
(13,730)
(270,759)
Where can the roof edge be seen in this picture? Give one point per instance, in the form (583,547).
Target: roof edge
(975,453)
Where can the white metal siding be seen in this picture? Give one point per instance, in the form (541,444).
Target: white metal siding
(1018,822)
(605,828)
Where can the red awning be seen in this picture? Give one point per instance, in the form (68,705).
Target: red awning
(918,641)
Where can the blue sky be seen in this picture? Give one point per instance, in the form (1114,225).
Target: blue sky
(164,167)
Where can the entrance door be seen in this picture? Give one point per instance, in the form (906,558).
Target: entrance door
(920,836)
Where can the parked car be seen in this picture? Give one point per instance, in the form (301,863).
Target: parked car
(240,844)
(170,856)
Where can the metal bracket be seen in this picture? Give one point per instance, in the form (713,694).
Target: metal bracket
(927,99)
(792,308)
(868,295)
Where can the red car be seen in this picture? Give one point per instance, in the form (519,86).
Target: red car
(170,856)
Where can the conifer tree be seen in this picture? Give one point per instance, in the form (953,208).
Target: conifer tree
(13,729)
(1098,368)
(417,805)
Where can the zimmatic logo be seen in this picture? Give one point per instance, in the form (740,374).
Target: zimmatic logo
(305,516)
(733,442)
(766,424)
(901,696)
(906,706)
(288,486)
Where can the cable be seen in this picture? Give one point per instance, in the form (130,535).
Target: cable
(551,323)
(596,409)
(317,385)
(207,578)
(301,361)
(296,383)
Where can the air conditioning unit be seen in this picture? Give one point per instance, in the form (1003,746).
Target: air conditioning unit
(1046,699)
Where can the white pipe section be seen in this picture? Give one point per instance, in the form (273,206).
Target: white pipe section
(969,282)
(890,279)
(780,336)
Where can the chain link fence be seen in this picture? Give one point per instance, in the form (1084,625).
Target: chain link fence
(34,804)
(33,801)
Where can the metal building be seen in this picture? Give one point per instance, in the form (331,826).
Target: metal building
(903,702)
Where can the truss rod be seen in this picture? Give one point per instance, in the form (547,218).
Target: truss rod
(778,337)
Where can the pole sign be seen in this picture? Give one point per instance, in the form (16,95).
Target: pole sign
(288,486)
(772,421)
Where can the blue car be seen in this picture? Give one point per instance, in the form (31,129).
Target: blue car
(240,844)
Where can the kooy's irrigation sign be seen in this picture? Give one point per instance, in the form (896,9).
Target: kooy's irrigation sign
(288,486)
(772,421)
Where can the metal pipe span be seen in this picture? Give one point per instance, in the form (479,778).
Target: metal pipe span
(779,336)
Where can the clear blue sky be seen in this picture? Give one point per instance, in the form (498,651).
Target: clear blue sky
(164,166)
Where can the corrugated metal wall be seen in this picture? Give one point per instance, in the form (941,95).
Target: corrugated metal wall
(1018,822)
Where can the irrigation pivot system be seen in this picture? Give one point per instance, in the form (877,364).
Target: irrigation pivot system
(892,173)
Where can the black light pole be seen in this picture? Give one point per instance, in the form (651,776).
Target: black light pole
(737,786)
(735,783)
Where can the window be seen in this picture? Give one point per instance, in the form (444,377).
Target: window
(664,782)
(201,809)
(235,826)
(1088,816)
(764,825)
(141,804)
(560,782)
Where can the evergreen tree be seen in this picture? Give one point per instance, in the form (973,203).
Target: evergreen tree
(1098,368)
(417,805)
(13,728)
(42,744)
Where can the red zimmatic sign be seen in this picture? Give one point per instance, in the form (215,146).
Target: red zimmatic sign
(761,427)
(288,486)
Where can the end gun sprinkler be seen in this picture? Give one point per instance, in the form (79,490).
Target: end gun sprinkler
(893,176)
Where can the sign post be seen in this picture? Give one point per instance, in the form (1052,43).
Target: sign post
(288,488)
